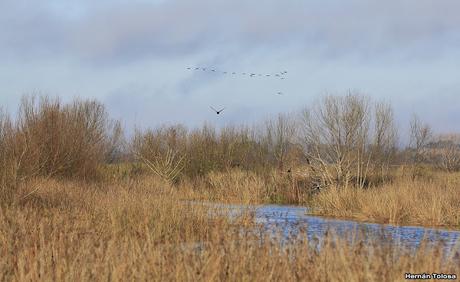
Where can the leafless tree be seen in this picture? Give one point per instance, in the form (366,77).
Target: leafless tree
(420,136)
(280,133)
(385,137)
(445,152)
(336,134)
(345,138)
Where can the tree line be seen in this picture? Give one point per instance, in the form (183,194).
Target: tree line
(339,140)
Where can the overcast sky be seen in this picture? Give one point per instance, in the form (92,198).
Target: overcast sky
(133,56)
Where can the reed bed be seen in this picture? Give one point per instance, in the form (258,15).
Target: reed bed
(143,230)
(433,202)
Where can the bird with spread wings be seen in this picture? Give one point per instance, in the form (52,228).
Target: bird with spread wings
(217,111)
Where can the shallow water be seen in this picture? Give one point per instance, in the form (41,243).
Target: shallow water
(291,219)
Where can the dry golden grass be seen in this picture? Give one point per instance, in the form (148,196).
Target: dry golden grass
(432,198)
(142,230)
(246,187)
(235,186)
(430,202)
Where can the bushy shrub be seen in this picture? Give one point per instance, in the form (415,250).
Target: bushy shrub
(52,139)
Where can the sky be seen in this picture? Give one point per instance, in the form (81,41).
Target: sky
(133,56)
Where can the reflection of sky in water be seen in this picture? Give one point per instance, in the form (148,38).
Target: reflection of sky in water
(289,220)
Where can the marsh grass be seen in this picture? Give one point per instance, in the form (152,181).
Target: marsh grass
(404,201)
(143,231)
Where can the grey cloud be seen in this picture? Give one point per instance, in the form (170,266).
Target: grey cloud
(134,31)
(31,32)
(133,54)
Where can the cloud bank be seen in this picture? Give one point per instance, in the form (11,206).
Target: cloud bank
(133,55)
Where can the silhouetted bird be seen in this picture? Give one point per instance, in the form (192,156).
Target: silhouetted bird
(204,69)
(197,68)
(267,75)
(252,74)
(213,70)
(217,111)
(280,93)
(189,68)
(233,72)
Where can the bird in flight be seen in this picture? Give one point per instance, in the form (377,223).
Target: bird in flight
(217,111)
(279,93)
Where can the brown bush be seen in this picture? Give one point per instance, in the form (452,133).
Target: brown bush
(52,139)
(8,162)
(205,149)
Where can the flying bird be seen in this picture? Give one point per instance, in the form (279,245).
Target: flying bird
(280,93)
(189,68)
(217,111)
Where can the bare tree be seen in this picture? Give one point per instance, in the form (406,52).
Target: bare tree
(420,136)
(336,134)
(445,152)
(385,137)
(346,138)
(280,134)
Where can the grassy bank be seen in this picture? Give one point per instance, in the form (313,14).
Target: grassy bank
(433,201)
(142,230)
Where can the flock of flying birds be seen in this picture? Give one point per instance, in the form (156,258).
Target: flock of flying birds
(279,75)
